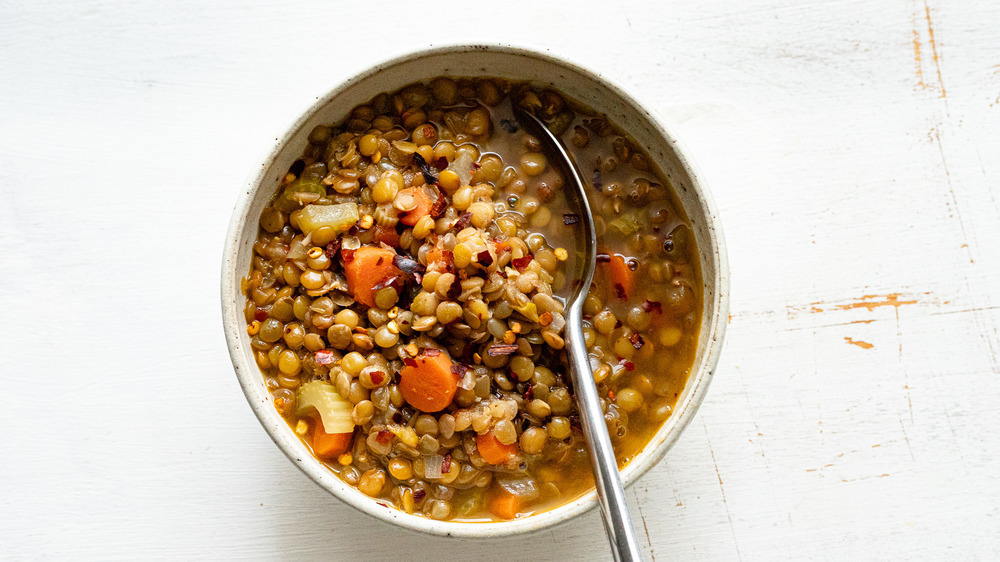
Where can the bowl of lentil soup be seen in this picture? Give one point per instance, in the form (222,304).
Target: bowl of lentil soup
(393,278)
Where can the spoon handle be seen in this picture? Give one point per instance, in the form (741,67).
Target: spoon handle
(608,482)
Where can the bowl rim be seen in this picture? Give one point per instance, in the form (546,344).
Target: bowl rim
(654,451)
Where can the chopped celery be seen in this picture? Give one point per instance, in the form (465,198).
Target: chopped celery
(625,225)
(340,217)
(291,196)
(334,410)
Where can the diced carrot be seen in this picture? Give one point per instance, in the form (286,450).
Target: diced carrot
(492,450)
(505,505)
(365,269)
(429,384)
(329,445)
(424,204)
(622,277)
(438,256)
(386,235)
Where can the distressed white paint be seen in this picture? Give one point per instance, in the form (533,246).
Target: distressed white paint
(844,166)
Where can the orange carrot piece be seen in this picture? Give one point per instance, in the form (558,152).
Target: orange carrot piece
(438,256)
(365,269)
(429,384)
(424,204)
(505,505)
(329,445)
(492,450)
(386,235)
(622,277)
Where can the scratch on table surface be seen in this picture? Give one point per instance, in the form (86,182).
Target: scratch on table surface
(722,489)
(645,527)
(860,343)
(907,439)
(902,365)
(864,478)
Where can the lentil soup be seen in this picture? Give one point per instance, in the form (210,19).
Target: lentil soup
(406,292)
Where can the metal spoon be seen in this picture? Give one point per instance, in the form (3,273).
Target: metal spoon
(610,492)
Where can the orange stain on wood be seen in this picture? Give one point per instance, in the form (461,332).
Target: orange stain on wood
(859,343)
(871,302)
(934,52)
(918,54)
(918,60)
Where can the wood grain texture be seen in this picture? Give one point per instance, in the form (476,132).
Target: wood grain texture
(852,148)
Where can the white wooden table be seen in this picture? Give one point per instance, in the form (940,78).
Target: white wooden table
(853,148)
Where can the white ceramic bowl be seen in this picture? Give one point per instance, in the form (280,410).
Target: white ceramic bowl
(515,64)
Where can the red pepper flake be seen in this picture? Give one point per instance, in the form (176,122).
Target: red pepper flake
(382,504)
(629,366)
(437,209)
(419,495)
(501,349)
(380,260)
(650,306)
(637,341)
(409,361)
(332,248)
(347,255)
(432,352)
(570,218)
(620,291)
(383,436)
(530,393)
(612,396)
(454,290)
(446,464)
(521,263)
(484,258)
(603,258)
(440,164)
(463,221)
(324,357)
(260,315)
(378,376)
(459,369)
(468,353)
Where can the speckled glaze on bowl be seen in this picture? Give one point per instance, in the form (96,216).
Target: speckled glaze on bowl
(515,64)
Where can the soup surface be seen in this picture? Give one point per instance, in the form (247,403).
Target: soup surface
(405,299)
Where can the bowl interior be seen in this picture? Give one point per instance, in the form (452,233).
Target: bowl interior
(469,61)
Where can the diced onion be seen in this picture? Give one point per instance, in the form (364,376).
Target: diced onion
(432,466)
(524,488)
(468,381)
